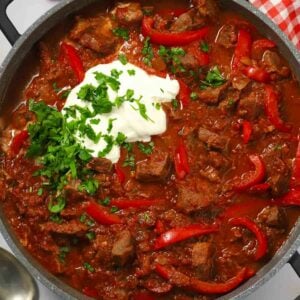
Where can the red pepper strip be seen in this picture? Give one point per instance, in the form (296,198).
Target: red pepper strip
(243,48)
(295,179)
(260,188)
(271,108)
(292,198)
(140,203)
(252,178)
(264,44)
(257,74)
(74,60)
(120,174)
(179,279)
(159,227)
(262,243)
(18,141)
(176,12)
(176,235)
(247,131)
(91,292)
(184,93)
(171,38)
(101,215)
(182,167)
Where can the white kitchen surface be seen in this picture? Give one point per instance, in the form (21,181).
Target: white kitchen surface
(285,285)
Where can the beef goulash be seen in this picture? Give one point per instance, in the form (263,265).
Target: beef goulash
(153,151)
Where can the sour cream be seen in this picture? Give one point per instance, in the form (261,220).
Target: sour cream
(127,119)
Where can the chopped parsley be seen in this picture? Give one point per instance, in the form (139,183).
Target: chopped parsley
(109,145)
(131,72)
(105,201)
(122,33)
(146,148)
(63,251)
(40,192)
(142,110)
(175,104)
(129,161)
(110,124)
(147,52)
(90,185)
(172,56)
(91,235)
(194,96)
(56,88)
(57,205)
(88,267)
(204,47)
(121,138)
(114,209)
(213,78)
(123,59)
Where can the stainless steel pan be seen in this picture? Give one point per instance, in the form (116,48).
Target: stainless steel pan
(21,47)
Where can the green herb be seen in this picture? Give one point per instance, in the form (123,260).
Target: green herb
(204,47)
(123,59)
(121,138)
(129,161)
(57,205)
(115,73)
(194,96)
(213,78)
(105,201)
(65,94)
(95,121)
(110,81)
(63,251)
(157,105)
(90,185)
(88,267)
(91,235)
(110,124)
(109,145)
(147,11)
(146,149)
(56,88)
(114,209)
(82,218)
(40,192)
(147,52)
(175,104)
(56,218)
(122,33)
(131,72)
(230,103)
(128,147)
(142,110)
(172,56)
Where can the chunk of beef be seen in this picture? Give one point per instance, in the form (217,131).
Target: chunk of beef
(212,95)
(211,174)
(231,98)
(123,248)
(227,36)
(72,227)
(155,169)
(272,216)
(188,21)
(189,200)
(217,160)
(251,106)
(189,61)
(128,13)
(207,8)
(202,258)
(278,173)
(273,63)
(212,140)
(240,82)
(95,34)
(100,165)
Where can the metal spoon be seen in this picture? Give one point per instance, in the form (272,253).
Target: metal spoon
(16,283)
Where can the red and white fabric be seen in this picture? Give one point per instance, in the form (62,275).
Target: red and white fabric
(284,13)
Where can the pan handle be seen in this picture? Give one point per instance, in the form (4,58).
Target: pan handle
(295,262)
(6,25)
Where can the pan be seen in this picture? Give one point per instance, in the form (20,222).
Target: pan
(22,46)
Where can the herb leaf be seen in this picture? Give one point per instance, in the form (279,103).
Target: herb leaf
(122,33)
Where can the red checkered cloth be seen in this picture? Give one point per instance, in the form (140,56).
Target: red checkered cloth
(285,13)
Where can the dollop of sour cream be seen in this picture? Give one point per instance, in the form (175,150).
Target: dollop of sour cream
(137,119)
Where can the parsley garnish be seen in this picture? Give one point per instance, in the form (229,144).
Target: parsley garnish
(57,205)
(90,185)
(122,33)
(123,59)
(88,267)
(146,149)
(109,145)
(91,235)
(110,124)
(175,104)
(114,209)
(204,47)
(131,72)
(194,96)
(147,52)
(213,78)
(129,161)
(56,88)
(40,192)
(142,110)
(105,201)
(63,251)
(172,56)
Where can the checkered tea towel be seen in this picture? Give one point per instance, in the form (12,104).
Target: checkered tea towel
(285,13)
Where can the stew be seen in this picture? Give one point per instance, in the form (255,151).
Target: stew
(154,152)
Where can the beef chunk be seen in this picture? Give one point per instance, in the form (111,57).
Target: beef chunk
(212,95)
(251,106)
(217,160)
(212,140)
(211,174)
(100,165)
(155,169)
(278,173)
(189,200)
(273,63)
(207,8)
(272,216)
(123,248)
(95,34)
(128,13)
(72,227)
(202,258)
(227,36)
(188,21)
(189,61)
(240,82)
